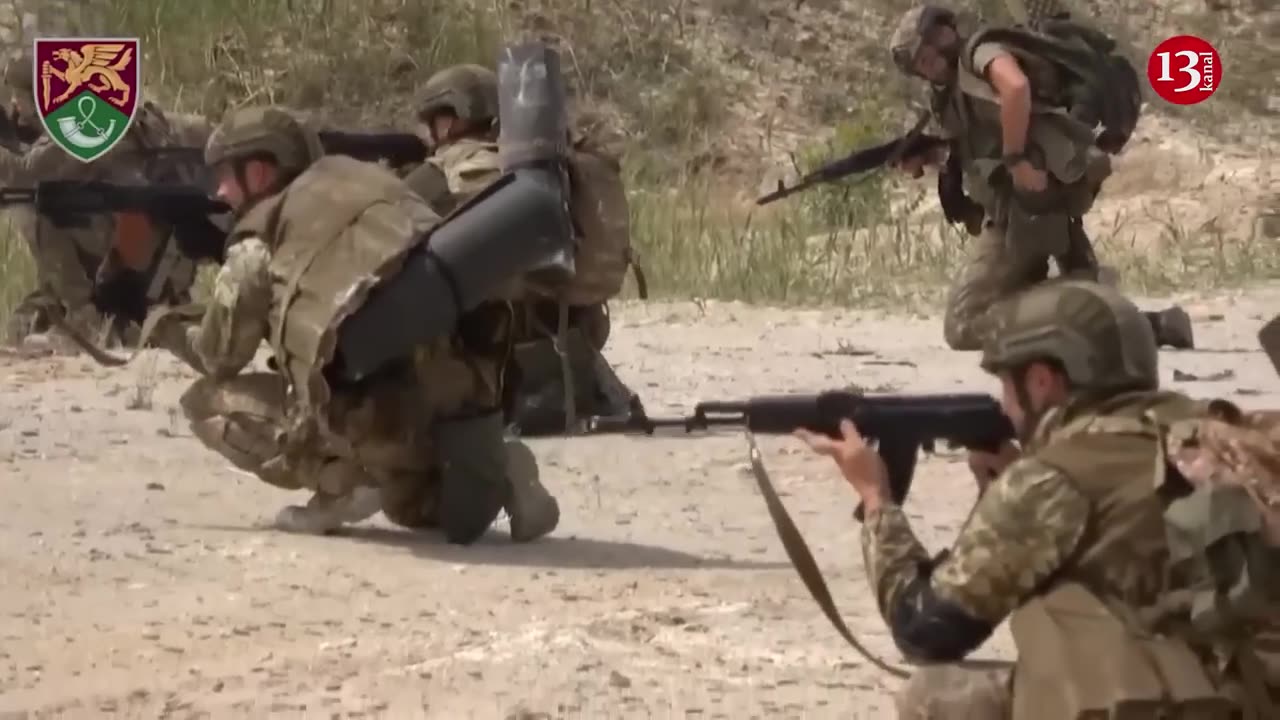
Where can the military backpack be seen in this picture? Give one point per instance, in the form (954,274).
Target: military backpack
(1221,486)
(1100,86)
(602,221)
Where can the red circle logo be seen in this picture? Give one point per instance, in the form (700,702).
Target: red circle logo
(1184,70)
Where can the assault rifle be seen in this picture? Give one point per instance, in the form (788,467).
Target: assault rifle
(859,161)
(68,202)
(186,209)
(901,425)
(956,206)
(398,149)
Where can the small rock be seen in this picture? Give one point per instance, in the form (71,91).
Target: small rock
(618,680)
(155,486)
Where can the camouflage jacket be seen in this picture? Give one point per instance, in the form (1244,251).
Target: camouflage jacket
(1073,508)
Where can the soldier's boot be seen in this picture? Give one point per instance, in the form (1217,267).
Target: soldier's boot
(533,510)
(326,512)
(1172,328)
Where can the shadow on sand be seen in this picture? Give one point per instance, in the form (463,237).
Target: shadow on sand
(496,548)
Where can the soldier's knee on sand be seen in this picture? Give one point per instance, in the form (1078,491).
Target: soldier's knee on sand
(956,692)
(473,479)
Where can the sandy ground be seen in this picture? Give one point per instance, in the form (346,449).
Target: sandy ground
(138,579)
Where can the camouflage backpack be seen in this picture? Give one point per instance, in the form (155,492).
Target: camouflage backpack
(602,218)
(1099,84)
(1222,487)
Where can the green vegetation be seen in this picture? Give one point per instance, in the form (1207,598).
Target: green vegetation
(357,64)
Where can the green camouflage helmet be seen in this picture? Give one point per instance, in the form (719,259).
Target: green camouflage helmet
(19,72)
(470,91)
(1101,339)
(265,130)
(908,36)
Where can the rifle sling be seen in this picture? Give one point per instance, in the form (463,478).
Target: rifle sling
(802,560)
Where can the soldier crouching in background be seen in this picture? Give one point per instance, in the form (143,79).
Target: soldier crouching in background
(458,110)
(71,254)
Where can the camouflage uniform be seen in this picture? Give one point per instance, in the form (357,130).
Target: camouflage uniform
(422,441)
(465,166)
(1021,233)
(68,258)
(1068,542)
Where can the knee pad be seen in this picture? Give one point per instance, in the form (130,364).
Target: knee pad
(473,477)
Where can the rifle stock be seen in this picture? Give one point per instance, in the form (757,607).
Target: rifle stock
(900,425)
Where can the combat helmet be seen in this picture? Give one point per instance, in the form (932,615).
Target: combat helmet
(909,35)
(1098,336)
(470,91)
(267,130)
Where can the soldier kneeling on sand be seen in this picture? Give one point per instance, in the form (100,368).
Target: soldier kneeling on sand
(1135,586)
(422,439)
(458,112)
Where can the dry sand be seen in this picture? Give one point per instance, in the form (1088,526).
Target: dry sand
(139,579)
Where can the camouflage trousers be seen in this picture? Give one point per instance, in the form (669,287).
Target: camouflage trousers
(961,691)
(244,420)
(1011,255)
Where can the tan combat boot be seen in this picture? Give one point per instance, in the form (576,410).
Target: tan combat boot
(325,513)
(534,511)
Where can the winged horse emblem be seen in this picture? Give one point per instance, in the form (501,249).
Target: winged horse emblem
(97,64)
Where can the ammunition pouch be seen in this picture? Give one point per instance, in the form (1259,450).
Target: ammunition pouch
(1077,660)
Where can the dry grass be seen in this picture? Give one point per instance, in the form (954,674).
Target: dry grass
(642,69)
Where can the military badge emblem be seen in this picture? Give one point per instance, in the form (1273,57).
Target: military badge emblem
(86,91)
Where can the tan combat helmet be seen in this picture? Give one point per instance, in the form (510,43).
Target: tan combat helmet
(1100,338)
(267,130)
(470,91)
(907,37)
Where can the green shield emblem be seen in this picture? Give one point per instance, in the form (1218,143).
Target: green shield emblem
(86,91)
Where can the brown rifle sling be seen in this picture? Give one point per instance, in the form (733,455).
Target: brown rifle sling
(802,560)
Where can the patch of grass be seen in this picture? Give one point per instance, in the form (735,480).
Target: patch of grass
(644,70)
(17,273)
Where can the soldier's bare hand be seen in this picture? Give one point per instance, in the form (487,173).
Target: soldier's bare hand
(987,466)
(860,464)
(1029,178)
